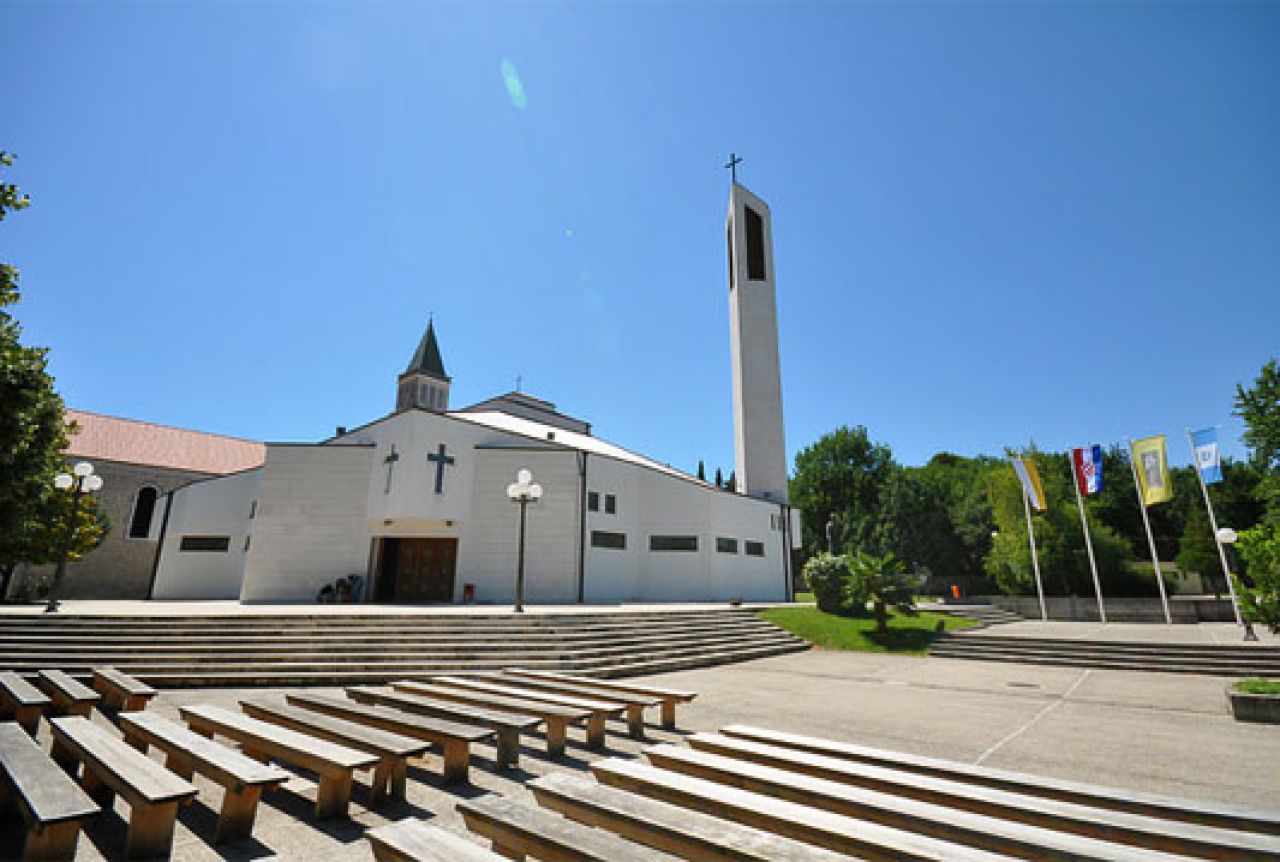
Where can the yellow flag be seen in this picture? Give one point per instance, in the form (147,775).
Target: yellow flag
(1031,485)
(1152,464)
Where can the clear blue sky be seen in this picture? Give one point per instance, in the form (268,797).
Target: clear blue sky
(994,223)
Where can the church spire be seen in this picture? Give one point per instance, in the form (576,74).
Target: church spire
(424,383)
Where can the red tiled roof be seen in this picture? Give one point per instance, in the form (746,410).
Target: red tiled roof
(130,441)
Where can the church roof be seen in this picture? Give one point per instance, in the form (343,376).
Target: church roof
(129,441)
(426,359)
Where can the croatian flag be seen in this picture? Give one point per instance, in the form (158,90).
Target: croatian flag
(1088,469)
(1208,454)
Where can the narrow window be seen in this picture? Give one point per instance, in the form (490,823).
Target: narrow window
(673,543)
(755,549)
(593,501)
(205,543)
(253,510)
(144,507)
(755,245)
(726,546)
(246,543)
(613,541)
(733,276)
(610,504)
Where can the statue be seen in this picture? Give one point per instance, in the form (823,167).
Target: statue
(833,535)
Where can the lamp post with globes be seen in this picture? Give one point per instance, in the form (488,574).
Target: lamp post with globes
(80,481)
(1227,539)
(522,491)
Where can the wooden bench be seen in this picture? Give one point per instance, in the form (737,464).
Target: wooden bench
(68,696)
(261,741)
(51,804)
(635,703)
(518,830)
(599,711)
(1220,815)
(121,692)
(416,841)
(188,752)
(861,839)
(392,749)
(1107,825)
(22,700)
(689,834)
(453,738)
(669,697)
(506,725)
(152,792)
(557,718)
(942,822)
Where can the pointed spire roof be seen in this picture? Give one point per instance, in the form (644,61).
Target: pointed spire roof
(426,359)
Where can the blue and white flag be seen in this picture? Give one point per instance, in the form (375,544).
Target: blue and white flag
(1208,454)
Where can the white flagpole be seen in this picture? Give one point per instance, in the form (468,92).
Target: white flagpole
(1088,540)
(1035,560)
(1213,525)
(1151,539)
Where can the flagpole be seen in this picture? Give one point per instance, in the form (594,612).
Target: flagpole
(1035,559)
(1213,525)
(1151,539)
(1088,540)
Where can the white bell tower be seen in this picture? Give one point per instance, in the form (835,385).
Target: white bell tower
(761,452)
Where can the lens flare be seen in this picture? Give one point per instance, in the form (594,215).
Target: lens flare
(515,89)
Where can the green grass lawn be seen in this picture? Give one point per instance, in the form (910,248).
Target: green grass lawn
(829,631)
(1259,686)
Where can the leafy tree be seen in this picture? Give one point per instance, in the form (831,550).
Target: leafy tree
(1197,550)
(915,527)
(1260,600)
(1259,407)
(731,484)
(842,473)
(884,582)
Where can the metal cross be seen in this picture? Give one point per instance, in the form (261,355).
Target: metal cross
(734,161)
(390,461)
(441,461)
(519,380)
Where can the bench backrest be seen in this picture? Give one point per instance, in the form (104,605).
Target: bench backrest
(44,792)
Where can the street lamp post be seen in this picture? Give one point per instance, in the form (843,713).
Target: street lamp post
(1227,539)
(523,491)
(80,481)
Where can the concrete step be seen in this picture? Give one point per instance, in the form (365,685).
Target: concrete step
(1063,644)
(1207,665)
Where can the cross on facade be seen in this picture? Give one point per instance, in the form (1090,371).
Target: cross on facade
(734,161)
(390,461)
(441,460)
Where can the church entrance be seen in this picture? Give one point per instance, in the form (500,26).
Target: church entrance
(415,571)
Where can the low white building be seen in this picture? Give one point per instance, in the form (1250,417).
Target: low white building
(416,502)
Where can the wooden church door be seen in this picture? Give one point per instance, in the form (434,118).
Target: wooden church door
(425,570)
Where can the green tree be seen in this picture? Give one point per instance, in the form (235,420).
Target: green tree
(1260,598)
(1198,552)
(1259,407)
(843,473)
(914,525)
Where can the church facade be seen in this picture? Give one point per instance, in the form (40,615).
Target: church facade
(415,503)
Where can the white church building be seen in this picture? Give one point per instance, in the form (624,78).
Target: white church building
(416,502)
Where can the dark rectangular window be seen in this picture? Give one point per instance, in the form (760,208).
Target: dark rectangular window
(610,504)
(726,546)
(755,245)
(673,543)
(205,543)
(733,276)
(253,510)
(593,501)
(614,541)
(755,549)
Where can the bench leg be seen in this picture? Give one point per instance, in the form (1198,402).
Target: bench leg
(595,730)
(508,852)
(63,756)
(380,784)
(457,762)
(635,721)
(135,703)
(254,754)
(399,778)
(151,830)
(98,792)
(82,707)
(235,820)
(508,747)
(29,717)
(180,765)
(334,795)
(53,843)
(557,730)
(200,729)
(669,714)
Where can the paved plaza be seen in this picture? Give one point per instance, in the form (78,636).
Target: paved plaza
(1159,733)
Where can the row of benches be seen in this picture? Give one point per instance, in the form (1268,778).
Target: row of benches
(52,690)
(375,728)
(760,795)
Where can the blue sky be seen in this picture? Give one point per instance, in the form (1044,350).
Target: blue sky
(993,223)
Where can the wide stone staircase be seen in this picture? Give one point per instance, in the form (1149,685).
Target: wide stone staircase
(331,649)
(988,615)
(1208,659)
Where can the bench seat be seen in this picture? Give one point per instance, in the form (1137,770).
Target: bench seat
(670,697)
(68,695)
(109,766)
(453,737)
(599,710)
(187,752)
(416,841)
(52,805)
(261,741)
(22,700)
(121,692)
(635,703)
(392,749)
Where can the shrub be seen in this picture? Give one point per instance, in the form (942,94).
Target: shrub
(882,581)
(828,577)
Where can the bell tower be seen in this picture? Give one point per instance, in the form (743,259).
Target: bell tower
(424,384)
(760,450)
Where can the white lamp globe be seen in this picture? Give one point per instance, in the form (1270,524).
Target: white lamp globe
(535,492)
(63,481)
(84,468)
(93,483)
(524,477)
(513,491)
(1227,536)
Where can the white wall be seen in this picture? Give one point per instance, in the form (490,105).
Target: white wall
(311,525)
(214,507)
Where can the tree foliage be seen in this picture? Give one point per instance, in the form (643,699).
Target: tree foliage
(885,584)
(1259,407)
(844,474)
(1260,598)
